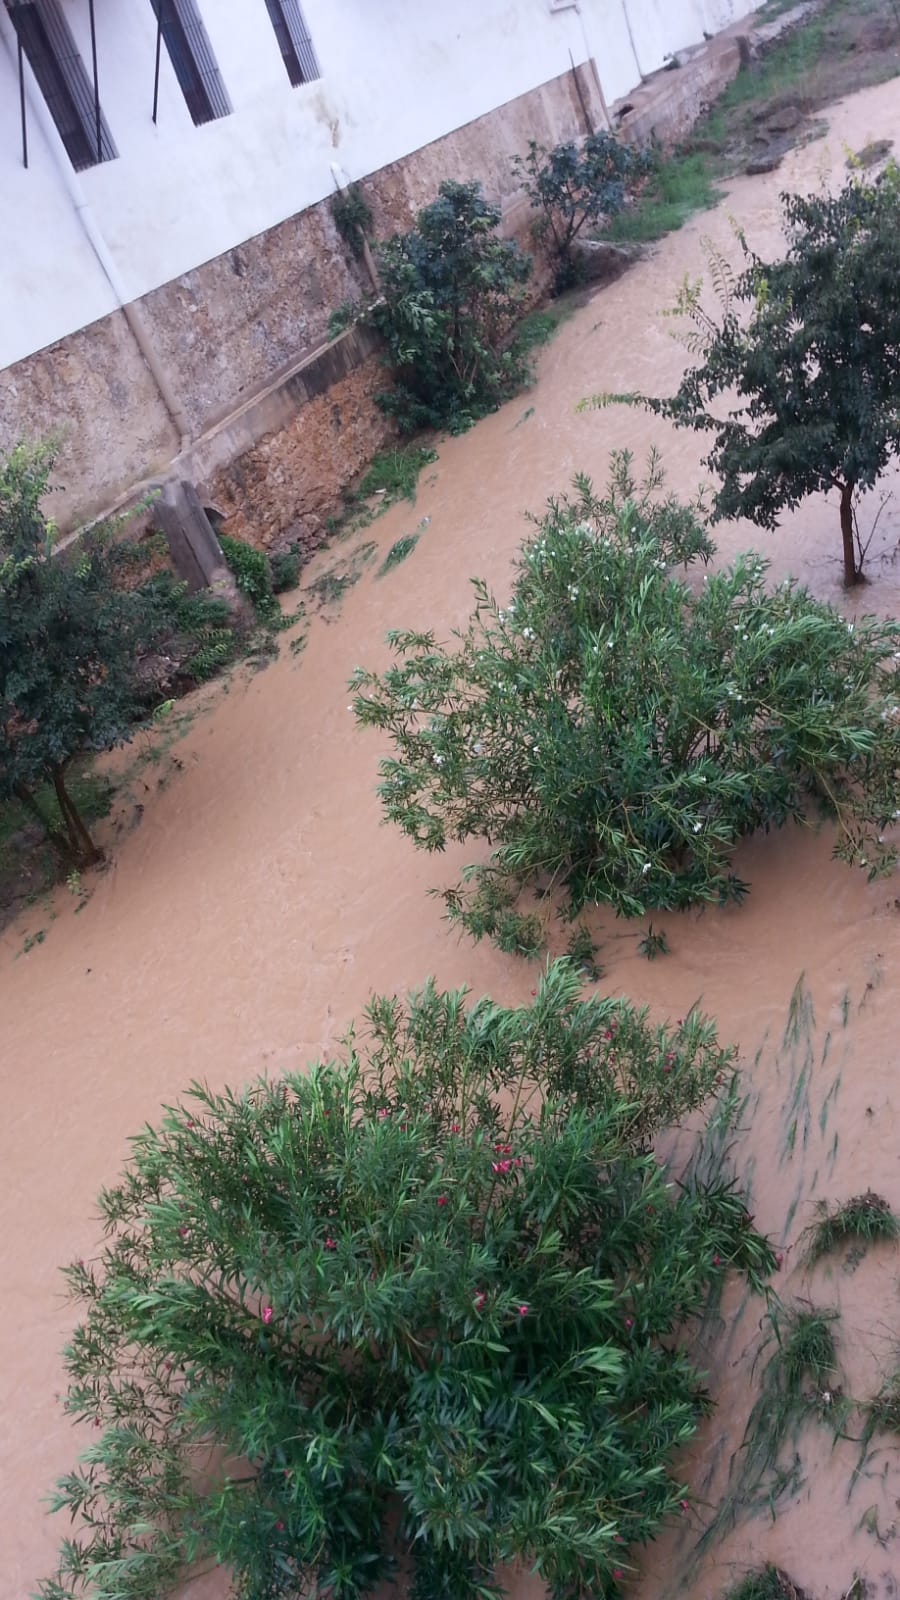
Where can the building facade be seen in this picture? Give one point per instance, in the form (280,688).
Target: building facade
(170,259)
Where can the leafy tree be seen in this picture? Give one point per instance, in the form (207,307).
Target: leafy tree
(811,347)
(70,637)
(450,292)
(613,732)
(574,186)
(422,1305)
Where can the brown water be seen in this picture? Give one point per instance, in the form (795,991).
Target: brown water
(260,901)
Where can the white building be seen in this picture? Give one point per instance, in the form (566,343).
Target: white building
(162,166)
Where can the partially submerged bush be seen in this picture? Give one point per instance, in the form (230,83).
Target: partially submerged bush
(284,569)
(576,186)
(613,732)
(420,1306)
(450,292)
(862,1220)
(252,574)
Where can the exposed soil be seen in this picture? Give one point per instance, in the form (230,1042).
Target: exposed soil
(838,48)
(250,916)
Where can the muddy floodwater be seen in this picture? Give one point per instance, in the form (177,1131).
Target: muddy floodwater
(248,917)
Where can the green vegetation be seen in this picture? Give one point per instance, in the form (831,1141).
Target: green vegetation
(353,218)
(539,327)
(765,1583)
(864,1219)
(331,585)
(451,289)
(284,569)
(572,187)
(430,1295)
(882,1414)
(199,628)
(253,575)
(653,943)
(674,191)
(398,552)
(72,635)
(612,732)
(786,327)
(394,474)
(798,1381)
(809,67)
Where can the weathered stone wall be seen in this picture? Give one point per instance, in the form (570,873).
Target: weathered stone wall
(94,391)
(275,472)
(229,326)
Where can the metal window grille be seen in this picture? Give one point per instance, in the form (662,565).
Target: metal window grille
(294,40)
(194,64)
(71,98)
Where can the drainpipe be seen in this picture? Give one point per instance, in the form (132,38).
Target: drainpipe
(130,308)
(631,38)
(592,62)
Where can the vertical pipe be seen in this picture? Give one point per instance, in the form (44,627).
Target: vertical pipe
(586,116)
(96,81)
(637,63)
(159,6)
(22,103)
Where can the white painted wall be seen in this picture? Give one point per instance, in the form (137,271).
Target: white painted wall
(396,74)
(632,38)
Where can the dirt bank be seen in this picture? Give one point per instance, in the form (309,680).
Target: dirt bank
(248,917)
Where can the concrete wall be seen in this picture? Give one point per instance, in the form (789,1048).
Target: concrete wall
(629,39)
(219,238)
(230,328)
(396,76)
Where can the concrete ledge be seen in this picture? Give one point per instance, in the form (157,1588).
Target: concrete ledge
(276,404)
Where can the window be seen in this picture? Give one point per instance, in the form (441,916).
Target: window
(294,41)
(59,72)
(191,56)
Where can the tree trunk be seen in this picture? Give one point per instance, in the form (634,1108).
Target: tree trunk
(852,574)
(60,841)
(84,850)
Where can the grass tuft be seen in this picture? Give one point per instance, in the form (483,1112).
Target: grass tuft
(393,475)
(397,553)
(676,190)
(766,1583)
(539,327)
(866,1217)
(882,1413)
(797,1381)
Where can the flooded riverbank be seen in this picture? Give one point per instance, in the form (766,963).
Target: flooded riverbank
(260,901)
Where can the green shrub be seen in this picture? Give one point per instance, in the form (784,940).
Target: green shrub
(450,292)
(422,1304)
(73,632)
(284,569)
(251,573)
(574,186)
(862,1220)
(614,732)
(201,621)
(352,217)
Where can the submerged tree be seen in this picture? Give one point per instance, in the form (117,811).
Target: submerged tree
(70,638)
(811,347)
(612,732)
(426,1306)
